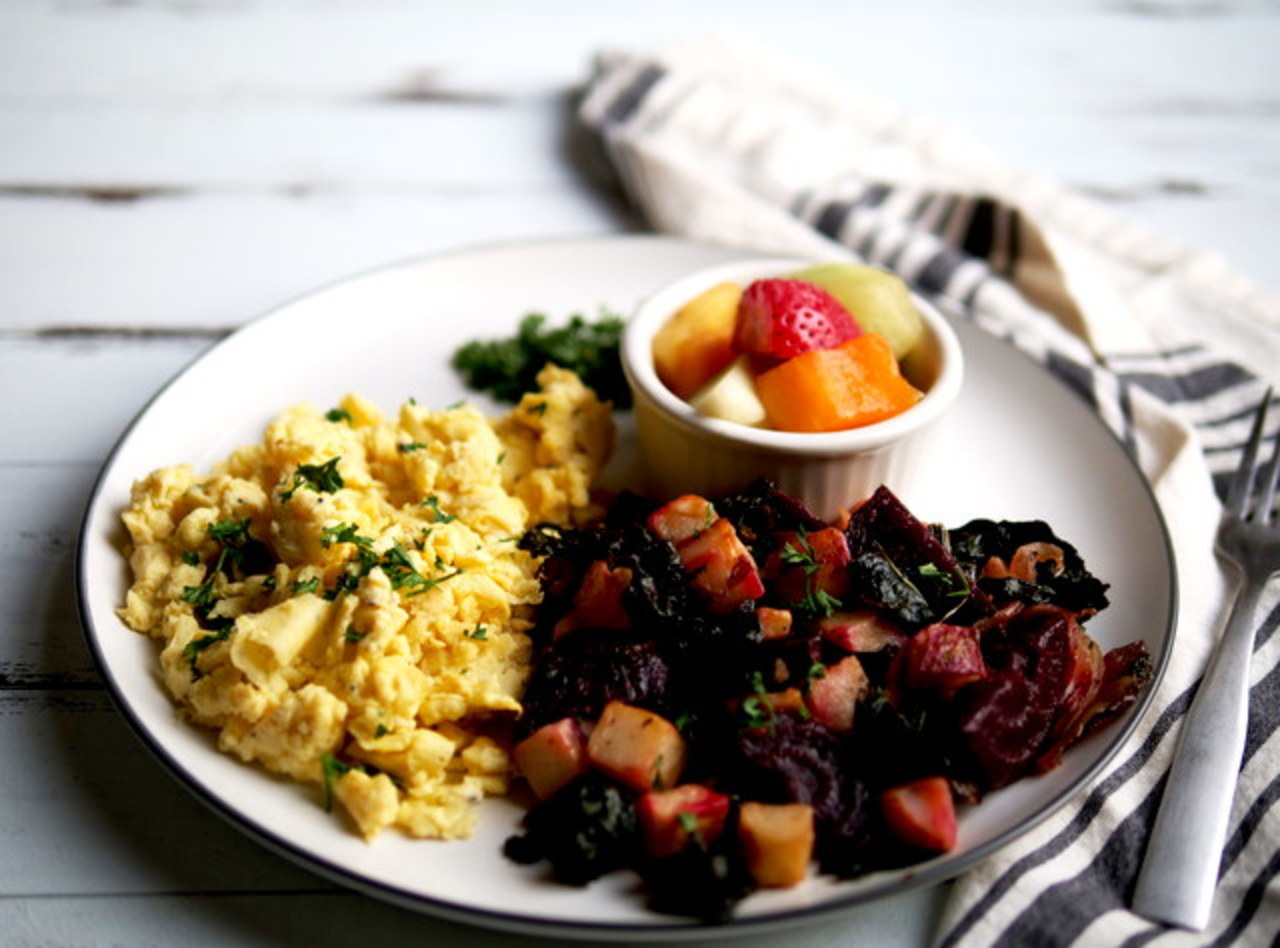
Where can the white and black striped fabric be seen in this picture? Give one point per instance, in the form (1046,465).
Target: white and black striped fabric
(721,141)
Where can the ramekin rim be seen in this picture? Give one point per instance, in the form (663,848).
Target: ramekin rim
(638,367)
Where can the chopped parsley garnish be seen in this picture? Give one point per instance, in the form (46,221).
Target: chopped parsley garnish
(758,712)
(538,408)
(956,585)
(408,446)
(819,602)
(191,558)
(353,635)
(479,633)
(321,478)
(432,503)
(345,583)
(395,563)
(333,770)
(234,541)
(306,585)
(338,414)
(232,535)
(344,533)
(757,708)
(508,368)
(231,532)
(403,575)
(197,647)
(800,554)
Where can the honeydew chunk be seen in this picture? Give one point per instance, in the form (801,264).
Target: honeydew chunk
(878,300)
(731,395)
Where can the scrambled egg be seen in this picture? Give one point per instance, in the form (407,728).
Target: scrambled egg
(345,602)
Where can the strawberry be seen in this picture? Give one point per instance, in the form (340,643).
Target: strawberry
(783,318)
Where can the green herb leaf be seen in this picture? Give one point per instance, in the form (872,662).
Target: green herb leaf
(333,769)
(432,503)
(508,368)
(321,478)
(231,532)
(344,533)
(197,647)
(338,414)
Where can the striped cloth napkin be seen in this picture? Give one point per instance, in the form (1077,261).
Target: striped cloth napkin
(720,140)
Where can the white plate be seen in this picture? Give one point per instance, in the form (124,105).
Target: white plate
(1019,445)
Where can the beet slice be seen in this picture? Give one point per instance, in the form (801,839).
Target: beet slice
(586,669)
(1002,728)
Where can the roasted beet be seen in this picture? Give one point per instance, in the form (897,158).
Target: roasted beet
(587,668)
(1002,728)
(899,565)
(972,668)
(790,760)
(1036,643)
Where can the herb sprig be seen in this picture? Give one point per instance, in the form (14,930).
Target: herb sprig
(507,368)
(321,478)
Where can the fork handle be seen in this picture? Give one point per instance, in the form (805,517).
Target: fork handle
(1180,871)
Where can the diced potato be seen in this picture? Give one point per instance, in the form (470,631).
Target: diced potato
(682,518)
(670,818)
(833,697)
(552,756)
(774,623)
(860,630)
(777,841)
(637,747)
(724,570)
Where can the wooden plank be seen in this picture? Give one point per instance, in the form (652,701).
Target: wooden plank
(91,811)
(66,398)
(215,261)
(292,148)
(248,920)
(245,51)
(41,646)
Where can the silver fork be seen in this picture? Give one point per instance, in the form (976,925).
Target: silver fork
(1180,871)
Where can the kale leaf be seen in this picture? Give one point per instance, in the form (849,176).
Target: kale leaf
(507,368)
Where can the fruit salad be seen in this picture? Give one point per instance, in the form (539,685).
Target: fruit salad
(817,350)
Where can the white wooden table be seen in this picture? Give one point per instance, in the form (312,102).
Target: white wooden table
(171,168)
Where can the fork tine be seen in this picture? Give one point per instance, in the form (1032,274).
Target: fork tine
(1242,483)
(1269,478)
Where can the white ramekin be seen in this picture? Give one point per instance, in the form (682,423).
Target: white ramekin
(683,451)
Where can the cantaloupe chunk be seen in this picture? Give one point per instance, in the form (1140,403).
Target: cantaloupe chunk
(854,384)
(696,344)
